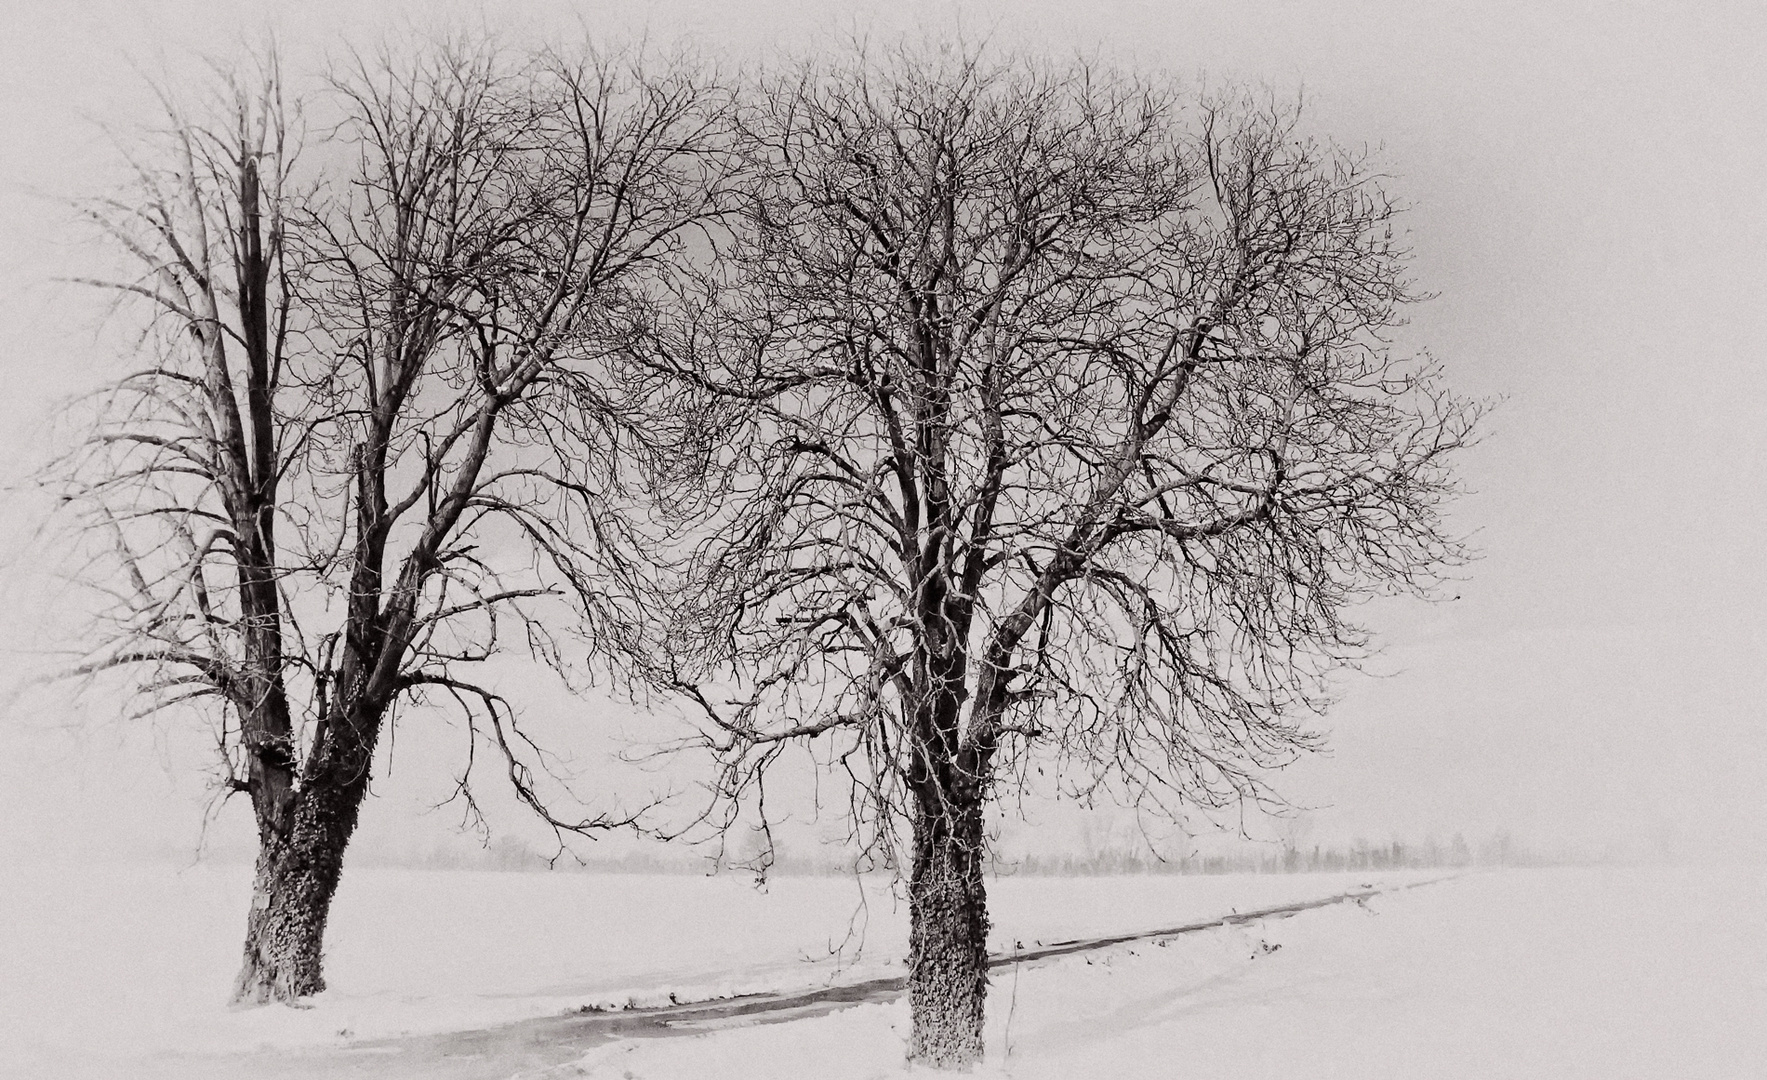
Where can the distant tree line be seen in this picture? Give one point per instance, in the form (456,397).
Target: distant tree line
(1498,849)
(506,852)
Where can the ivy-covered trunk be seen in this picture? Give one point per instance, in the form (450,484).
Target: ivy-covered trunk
(298,869)
(948,937)
(296,878)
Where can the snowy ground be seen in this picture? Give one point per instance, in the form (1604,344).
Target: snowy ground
(1551,974)
(1593,972)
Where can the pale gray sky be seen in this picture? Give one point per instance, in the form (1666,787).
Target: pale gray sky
(1589,204)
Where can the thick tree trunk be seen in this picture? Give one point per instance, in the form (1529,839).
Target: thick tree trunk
(948,940)
(297,876)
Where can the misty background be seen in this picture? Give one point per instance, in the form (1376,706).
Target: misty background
(1586,183)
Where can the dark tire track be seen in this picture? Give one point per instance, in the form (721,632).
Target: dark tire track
(539,1046)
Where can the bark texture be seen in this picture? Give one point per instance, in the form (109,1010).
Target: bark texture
(300,860)
(285,930)
(948,940)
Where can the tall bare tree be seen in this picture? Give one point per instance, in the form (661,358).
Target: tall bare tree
(1066,434)
(425,416)
(179,475)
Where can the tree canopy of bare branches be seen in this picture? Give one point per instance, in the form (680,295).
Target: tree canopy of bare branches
(1064,429)
(946,412)
(378,432)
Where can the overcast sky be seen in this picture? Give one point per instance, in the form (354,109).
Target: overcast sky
(1589,204)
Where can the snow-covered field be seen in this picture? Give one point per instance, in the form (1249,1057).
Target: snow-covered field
(1562,973)
(1604,972)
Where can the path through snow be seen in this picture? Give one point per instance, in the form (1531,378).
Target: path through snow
(1595,972)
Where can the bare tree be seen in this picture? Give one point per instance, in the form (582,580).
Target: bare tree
(390,412)
(178,479)
(1066,435)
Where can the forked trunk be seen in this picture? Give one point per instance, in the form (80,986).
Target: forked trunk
(297,876)
(948,940)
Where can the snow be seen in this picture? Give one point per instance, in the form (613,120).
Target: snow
(1597,973)
(1575,972)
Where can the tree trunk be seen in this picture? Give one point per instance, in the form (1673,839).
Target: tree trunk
(948,939)
(297,876)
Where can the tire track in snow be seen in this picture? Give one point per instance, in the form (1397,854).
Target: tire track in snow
(539,1046)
